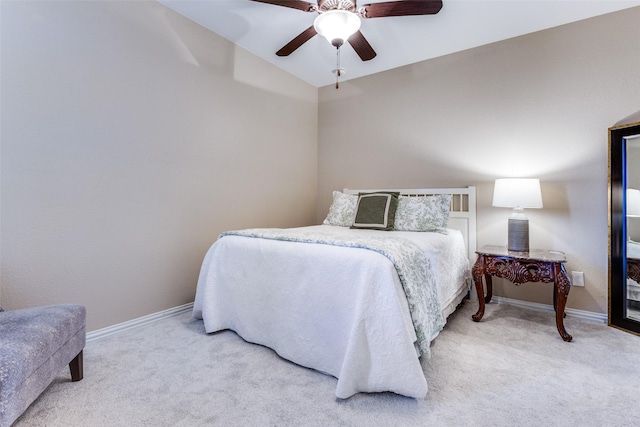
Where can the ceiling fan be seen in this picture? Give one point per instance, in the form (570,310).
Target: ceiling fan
(339,15)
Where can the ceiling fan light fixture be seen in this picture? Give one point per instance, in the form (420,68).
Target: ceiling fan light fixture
(337,25)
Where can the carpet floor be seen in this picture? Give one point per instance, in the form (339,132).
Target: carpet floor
(511,369)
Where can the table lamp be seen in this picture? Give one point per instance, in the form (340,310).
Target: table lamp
(517,193)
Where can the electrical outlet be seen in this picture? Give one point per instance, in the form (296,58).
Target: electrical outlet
(577,278)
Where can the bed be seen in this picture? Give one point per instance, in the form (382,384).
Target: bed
(362,305)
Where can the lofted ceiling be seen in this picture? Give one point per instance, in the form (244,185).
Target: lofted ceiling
(262,29)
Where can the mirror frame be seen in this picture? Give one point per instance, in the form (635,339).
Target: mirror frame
(618,228)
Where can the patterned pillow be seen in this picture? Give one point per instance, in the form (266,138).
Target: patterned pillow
(376,211)
(343,210)
(429,213)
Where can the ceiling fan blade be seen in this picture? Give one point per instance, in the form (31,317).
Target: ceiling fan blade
(361,46)
(401,8)
(293,4)
(298,41)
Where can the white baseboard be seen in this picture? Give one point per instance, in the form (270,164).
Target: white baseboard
(145,320)
(581,314)
(140,321)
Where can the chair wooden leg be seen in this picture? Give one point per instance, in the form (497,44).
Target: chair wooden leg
(75,366)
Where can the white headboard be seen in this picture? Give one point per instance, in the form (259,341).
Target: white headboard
(463,210)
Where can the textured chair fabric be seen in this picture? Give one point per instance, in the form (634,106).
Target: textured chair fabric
(35,345)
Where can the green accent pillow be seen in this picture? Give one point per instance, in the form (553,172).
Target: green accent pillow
(376,211)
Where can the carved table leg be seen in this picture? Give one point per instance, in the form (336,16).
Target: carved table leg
(555,300)
(561,286)
(489,283)
(477,273)
(478,282)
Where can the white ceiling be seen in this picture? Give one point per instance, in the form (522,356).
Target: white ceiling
(262,29)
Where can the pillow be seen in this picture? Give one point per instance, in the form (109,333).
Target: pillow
(428,213)
(343,210)
(376,211)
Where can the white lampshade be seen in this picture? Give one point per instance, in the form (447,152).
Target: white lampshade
(517,193)
(337,25)
(633,202)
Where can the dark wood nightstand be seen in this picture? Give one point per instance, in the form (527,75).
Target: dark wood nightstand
(519,267)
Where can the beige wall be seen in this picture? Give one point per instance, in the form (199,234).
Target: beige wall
(131,137)
(534,106)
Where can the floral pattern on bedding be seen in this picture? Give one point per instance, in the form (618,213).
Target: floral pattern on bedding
(343,209)
(413,268)
(428,213)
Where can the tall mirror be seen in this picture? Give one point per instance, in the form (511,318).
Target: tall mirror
(624,227)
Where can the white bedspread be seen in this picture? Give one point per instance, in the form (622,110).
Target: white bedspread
(339,310)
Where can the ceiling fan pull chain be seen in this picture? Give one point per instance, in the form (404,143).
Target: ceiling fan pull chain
(338,67)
